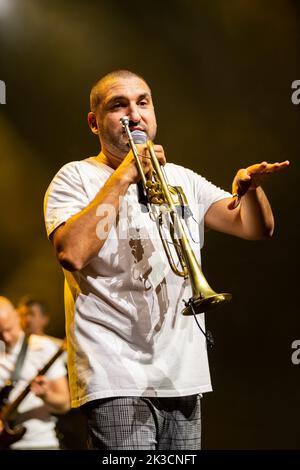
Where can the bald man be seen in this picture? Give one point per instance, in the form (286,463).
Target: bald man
(49,394)
(137,365)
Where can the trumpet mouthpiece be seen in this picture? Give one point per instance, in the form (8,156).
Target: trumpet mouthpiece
(124,120)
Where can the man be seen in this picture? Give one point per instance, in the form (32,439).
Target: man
(33,315)
(49,393)
(34,318)
(136,364)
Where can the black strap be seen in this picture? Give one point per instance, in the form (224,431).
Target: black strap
(20,360)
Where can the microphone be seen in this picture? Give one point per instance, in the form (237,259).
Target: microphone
(140,137)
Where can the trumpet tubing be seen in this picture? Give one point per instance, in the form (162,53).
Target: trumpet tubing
(159,191)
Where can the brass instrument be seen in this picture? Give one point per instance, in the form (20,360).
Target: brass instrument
(158,191)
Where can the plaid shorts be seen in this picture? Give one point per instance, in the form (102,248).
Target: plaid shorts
(139,423)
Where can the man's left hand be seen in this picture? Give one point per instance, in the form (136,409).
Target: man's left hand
(250,178)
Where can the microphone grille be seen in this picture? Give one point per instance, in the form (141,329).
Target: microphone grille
(139,137)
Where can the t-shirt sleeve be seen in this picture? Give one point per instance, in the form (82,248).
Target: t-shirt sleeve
(202,191)
(58,368)
(41,350)
(206,193)
(65,197)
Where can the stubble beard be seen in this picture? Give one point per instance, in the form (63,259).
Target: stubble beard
(117,145)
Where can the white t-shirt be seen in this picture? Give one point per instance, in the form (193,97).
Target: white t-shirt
(32,412)
(126,333)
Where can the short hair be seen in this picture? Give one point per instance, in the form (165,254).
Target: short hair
(30,301)
(96,96)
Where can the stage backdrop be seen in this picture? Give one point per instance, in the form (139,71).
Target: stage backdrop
(222,75)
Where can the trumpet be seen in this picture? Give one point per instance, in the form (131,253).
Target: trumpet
(159,192)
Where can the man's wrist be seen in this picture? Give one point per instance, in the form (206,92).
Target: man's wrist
(121,179)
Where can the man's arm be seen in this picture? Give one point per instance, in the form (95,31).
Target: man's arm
(77,241)
(54,393)
(248,214)
(80,239)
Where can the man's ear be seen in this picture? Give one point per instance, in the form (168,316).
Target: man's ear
(92,122)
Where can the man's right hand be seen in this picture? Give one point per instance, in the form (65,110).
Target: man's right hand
(77,241)
(127,170)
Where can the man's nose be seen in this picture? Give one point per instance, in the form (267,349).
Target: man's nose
(134,114)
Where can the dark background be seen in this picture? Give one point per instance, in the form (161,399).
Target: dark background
(221,73)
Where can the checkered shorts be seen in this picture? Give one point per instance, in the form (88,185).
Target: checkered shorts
(139,423)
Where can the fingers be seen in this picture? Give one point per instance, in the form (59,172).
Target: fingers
(129,169)
(257,168)
(143,157)
(142,150)
(146,158)
(253,176)
(276,166)
(39,386)
(243,175)
(160,154)
(265,167)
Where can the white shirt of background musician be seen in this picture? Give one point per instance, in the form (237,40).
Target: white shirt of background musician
(32,412)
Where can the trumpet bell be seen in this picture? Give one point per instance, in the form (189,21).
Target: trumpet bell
(200,305)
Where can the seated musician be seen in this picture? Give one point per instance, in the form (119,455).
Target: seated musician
(48,394)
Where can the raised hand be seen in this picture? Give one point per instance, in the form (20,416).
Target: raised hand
(128,168)
(251,177)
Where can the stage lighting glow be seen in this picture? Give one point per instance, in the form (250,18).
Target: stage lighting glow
(5,6)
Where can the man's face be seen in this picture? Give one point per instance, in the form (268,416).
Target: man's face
(9,329)
(33,321)
(124,97)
